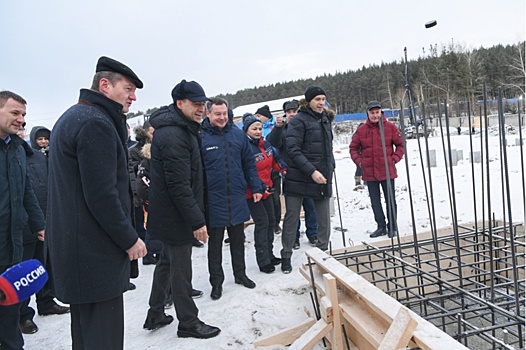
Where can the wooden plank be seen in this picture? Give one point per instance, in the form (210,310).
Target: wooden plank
(365,330)
(400,332)
(326,311)
(312,337)
(379,305)
(332,294)
(287,336)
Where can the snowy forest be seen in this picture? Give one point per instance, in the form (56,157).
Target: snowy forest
(451,72)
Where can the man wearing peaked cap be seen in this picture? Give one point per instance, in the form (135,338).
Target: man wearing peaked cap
(89,228)
(190,90)
(106,64)
(176,208)
(375,144)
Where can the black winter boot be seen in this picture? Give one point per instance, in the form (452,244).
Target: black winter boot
(380,231)
(286,266)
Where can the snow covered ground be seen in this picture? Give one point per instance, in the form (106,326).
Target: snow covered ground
(247,315)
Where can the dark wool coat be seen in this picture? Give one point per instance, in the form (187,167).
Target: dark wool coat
(230,168)
(89,213)
(176,207)
(277,139)
(309,148)
(37,170)
(366,150)
(18,203)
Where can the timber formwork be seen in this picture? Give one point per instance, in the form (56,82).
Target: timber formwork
(469,284)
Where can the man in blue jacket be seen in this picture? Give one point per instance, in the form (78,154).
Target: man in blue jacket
(229,166)
(91,238)
(18,206)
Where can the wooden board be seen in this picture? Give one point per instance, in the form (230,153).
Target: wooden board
(287,336)
(381,307)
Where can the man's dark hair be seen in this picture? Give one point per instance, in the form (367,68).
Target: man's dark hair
(6,95)
(111,76)
(218,101)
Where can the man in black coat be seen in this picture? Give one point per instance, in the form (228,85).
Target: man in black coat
(310,169)
(89,215)
(176,210)
(278,139)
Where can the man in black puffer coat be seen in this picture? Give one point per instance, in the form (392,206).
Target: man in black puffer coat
(176,210)
(311,167)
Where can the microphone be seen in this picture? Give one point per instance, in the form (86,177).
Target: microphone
(21,281)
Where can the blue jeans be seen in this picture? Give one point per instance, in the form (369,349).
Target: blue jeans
(311,221)
(376,204)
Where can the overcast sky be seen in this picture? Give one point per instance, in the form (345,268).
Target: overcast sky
(49,49)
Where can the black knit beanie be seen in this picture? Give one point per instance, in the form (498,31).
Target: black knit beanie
(264,111)
(312,92)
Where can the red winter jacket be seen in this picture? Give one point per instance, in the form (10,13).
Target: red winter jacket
(266,160)
(366,150)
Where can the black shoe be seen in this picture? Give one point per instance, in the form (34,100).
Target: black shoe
(277,230)
(28,327)
(313,240)
(201,331)
(150,260)
(244,280)
(296,245)
(196,294)
(132,286)
(275,261)
(286,266)
(55,310)
(227,240)
(380,231)
(392,234)
(197,243)
(216,293)
(267,268)
(153,324)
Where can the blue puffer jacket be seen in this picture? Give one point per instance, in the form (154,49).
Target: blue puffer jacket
(230,166)
(18,203)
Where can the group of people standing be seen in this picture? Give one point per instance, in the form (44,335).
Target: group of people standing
(205,176)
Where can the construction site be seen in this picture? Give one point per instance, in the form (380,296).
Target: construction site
(458,287)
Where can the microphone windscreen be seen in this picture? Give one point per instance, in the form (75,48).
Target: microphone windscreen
(21,281)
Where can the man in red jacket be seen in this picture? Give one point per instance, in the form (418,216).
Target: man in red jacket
(376,147)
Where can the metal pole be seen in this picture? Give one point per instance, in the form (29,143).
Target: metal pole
(339,210)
